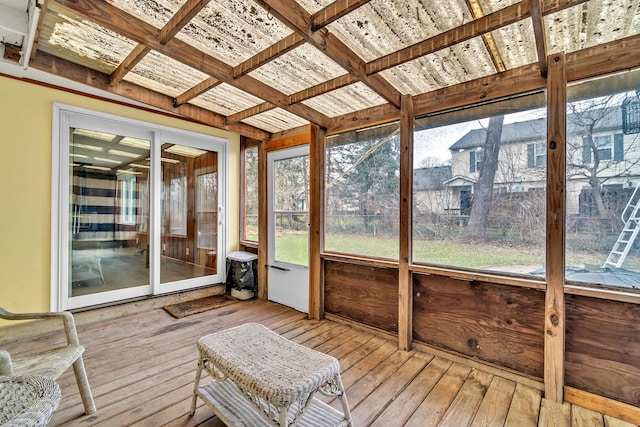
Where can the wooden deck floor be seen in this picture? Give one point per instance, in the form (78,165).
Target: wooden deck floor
(141,369)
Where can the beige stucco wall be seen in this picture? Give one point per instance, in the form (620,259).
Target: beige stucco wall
(25,189)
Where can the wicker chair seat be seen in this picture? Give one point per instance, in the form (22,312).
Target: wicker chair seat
(53,362)
(27,401)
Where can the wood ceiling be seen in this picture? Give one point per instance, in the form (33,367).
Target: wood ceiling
(264,67)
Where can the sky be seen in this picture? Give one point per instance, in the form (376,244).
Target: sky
(433,144)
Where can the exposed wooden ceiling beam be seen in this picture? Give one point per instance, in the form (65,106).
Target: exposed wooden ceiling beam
(486,24)
(595,61)
(198,89)
(181,18)
(333,12)
(281,47)
(541,39)
(278,49)
(249,112)
(171,28)
(295,17)
(132,59)
(57,66)
(135,29)
(43,12)
(322,88)
(489,42)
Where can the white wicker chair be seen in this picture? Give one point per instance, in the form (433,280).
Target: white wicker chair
(53,362)
(27,400)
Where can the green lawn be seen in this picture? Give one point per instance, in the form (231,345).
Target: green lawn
(484,255)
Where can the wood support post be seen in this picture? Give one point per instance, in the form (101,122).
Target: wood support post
(405,285)
(316,223)
(263,233)
(554,322)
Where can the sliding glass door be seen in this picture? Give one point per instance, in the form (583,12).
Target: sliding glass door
(108,213)
(189,214)
(138,210)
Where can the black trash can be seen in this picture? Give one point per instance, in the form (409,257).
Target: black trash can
(242,274)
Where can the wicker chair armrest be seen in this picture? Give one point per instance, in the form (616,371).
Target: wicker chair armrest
(66,317)
(5,363)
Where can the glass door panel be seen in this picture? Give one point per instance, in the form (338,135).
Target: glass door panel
(291,214)
(189,213)
(108,212)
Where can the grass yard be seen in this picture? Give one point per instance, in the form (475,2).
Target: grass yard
(292,247)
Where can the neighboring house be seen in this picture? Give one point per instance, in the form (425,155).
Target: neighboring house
(522,162)
(432,193)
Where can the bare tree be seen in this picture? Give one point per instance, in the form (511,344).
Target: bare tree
(432,162)
(595,153)
(483,188)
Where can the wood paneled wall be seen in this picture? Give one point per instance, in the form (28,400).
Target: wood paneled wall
(494,323)
(602,348)
(366,294)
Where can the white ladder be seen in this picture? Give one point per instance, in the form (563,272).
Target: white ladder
(631,219)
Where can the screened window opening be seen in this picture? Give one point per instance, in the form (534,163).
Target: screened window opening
(250,228)
(602,177)
(362,192)
(478,202)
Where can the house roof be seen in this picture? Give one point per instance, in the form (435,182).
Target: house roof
(260,67)
(431,178)
(459,180)
(512,132)
(604,119)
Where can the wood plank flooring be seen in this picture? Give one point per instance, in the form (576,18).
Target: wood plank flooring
(142,367)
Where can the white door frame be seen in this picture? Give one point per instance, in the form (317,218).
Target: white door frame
(65,116)
(288,282)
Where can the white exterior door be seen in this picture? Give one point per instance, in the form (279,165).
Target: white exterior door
(288,224)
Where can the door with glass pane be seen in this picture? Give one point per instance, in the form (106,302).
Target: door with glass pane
(142,211)
(189,213)
(288,224)
(108,216)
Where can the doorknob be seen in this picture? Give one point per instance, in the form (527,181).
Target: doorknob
(279,268)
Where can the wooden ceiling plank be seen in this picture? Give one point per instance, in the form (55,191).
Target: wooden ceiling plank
(471,29)
(491,22)
(322,88)
(181,18)
(595,61)
(135,56)
(334,11)
(43,13)
(295,17)
(195,91)
(139,31)
(57,66)
(249,112)
(274,51)
(540,37)
(172,27)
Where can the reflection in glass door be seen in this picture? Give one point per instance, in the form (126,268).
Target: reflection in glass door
(108,212)
(189,213)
